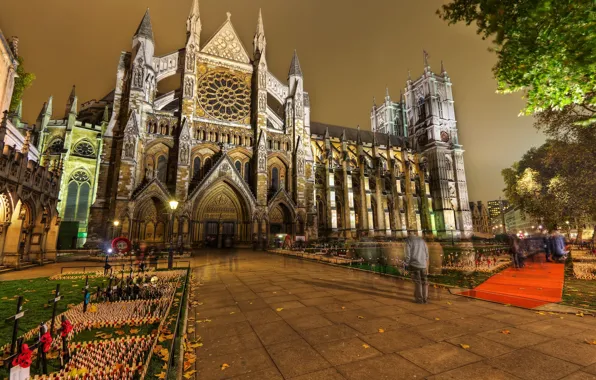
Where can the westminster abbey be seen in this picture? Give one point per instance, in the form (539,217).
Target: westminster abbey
(236,148)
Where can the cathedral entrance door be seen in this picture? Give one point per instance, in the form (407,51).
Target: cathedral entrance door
(211,234)
(222,217)
(228,235)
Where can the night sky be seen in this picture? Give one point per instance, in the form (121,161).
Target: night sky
(350,50)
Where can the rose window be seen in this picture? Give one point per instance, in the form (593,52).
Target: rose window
(225,95)
(80,176)
(84,149)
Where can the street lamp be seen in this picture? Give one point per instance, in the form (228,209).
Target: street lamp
(116,223)
(173,207)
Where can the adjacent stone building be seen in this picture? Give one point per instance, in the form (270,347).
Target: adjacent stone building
(29,219)
(76,140)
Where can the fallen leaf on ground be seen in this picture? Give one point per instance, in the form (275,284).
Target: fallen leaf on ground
(161,375)
(189,374)
(343,308)
(279,309)
(465,346)
(224,366)
(506,332)
(591,342)
(437,319)
(381,330)
(580,314)
(360,317)
(365,345)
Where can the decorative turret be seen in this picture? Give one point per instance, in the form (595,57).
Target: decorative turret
(295,69)
(259,41)
(193,25)
(145,30)
(71,104)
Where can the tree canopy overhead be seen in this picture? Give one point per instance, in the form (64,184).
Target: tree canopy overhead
(546,48)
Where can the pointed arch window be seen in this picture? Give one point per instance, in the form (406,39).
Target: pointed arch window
(247,176)
(162,169)
(196,167)
(56,146)
(238,166)
(275,179)
(77,197)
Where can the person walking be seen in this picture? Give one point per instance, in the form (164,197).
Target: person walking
(559,252)
(417,262)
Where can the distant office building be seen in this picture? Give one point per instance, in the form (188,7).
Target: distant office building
(494,208)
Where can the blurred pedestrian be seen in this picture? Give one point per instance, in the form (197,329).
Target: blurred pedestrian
(558,242)
(417,263)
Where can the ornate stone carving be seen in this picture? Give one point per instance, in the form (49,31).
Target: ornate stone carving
(262,102)
(138,77)
(226,44)
(190,58)
(188,87)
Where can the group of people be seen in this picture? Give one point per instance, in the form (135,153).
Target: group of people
(417,257)
(552,244)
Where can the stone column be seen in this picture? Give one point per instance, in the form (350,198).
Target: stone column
(331,205)
(349,214)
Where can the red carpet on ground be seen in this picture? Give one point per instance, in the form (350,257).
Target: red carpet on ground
(537,284)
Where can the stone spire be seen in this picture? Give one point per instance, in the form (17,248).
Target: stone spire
(106,115)
(71,104)
(343,135)
(193,23)
(295,69)
(358,137)
(387,97)
(327,133)
(145,29)
(259,41)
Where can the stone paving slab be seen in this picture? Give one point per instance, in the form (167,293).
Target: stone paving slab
(278,318)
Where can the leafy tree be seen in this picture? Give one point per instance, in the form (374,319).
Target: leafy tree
(21,83)
(556,182)
(546,48)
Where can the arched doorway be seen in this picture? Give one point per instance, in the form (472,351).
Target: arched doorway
(150,221)
(280,220)
(222,217)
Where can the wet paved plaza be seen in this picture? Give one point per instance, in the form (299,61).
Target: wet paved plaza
(271,317)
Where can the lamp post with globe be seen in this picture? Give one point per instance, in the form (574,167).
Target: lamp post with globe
(173,207)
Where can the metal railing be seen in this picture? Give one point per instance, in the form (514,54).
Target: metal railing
(123,266)
(177,333)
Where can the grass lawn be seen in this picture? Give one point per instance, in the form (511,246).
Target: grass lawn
(448,277)
(460,279)
(36,294)
(578,293)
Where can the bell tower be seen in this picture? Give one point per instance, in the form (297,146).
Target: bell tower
(433,132)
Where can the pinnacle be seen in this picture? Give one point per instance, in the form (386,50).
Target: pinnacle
(295,66)
(145,29)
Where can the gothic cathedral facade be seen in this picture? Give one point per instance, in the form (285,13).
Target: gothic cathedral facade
(236,148)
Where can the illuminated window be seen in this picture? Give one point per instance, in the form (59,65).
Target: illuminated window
(77,197)
(84,149)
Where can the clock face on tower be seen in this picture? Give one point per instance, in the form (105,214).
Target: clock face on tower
(444,136)
(224,95)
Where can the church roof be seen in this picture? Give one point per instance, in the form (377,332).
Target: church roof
(320,129)
(145,29)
